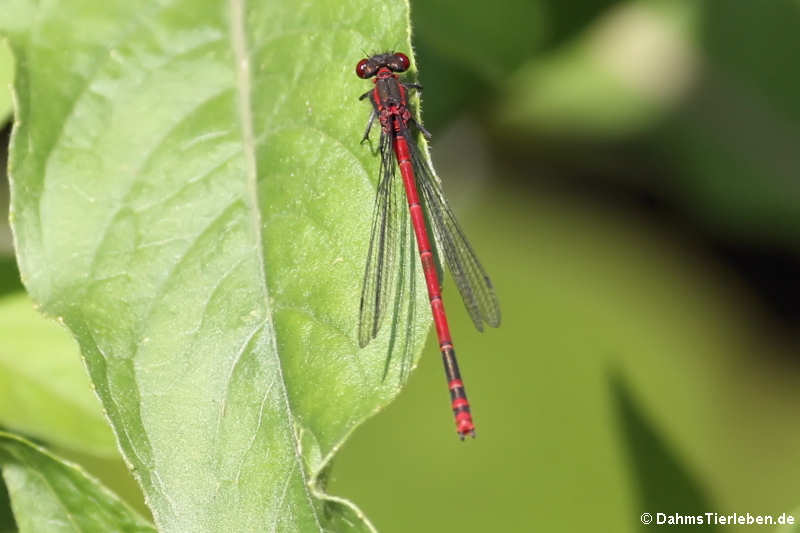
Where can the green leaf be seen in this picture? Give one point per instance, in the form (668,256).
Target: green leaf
(733,145)
(9,275)
(44,390)
(7,523)
(7,262)
(620,76)
(6,75)
(49,495)
(665,484)
(510,34)
(460,70)
(190,196)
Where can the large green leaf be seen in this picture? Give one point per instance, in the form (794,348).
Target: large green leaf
(51,495)
(189,195)
(44,392)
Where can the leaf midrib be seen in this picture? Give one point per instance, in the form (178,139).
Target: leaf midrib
(243,89)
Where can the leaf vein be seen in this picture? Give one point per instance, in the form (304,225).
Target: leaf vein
(243,83)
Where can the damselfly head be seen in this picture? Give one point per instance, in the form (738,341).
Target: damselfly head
(396,62)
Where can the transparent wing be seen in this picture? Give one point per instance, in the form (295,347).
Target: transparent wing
(471,279)
(382,257)
(401,336)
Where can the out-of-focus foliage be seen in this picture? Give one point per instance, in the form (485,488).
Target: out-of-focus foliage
(689,105)
(733,144)
(49,495)
(519,32)
(7,523)
(8,279)
(543,113)
(47,396)
(583,290)
(708,88)
(617,78)
(652,459)
(6,72)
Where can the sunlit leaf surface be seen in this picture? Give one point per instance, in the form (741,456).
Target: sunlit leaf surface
(189,195)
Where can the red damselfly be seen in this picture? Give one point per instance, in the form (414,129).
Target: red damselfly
(428,209)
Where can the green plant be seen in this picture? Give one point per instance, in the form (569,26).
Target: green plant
(190,199)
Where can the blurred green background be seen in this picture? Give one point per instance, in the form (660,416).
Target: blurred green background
(629,175)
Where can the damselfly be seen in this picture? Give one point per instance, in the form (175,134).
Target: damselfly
(428,208)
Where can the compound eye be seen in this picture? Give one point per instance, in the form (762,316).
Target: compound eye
(363,69)
(402,63)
